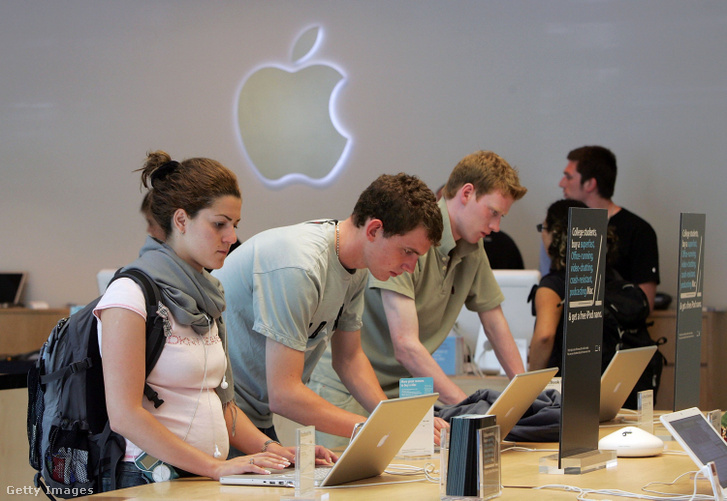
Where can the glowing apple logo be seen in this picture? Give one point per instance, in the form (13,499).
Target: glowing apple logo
(287,122)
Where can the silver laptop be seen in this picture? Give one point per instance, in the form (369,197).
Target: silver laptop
(369,453)
(701,441)
(620,377)
(103,278)
(518,396)
(11,288)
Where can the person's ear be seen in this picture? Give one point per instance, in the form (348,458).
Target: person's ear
(372,228)
(466,192)
(590,185)
(180,219)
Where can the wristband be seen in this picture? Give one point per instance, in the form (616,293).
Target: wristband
(266,444)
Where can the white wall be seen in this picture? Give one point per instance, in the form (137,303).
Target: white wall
(88,87)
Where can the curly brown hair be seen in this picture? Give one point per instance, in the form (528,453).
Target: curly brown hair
(556,223)
(193,184)
(402,202)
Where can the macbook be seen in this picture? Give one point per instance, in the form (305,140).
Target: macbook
(103,277)
(701,441)
(519,394)
(369,453)
(11,288)
(620,377)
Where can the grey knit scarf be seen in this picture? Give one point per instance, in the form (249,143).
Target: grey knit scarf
(194,298)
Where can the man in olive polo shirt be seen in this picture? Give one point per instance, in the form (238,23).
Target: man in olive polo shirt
(406,318)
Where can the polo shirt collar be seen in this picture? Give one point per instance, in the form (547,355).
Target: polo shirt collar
(447,243)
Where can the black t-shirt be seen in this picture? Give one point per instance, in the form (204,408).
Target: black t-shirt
(637,254)
(555,280)
(502,252)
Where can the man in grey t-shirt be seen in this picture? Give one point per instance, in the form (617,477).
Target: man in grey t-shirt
(292,290)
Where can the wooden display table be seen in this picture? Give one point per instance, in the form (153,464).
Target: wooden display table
(520,474)
(713,390)
(23,330)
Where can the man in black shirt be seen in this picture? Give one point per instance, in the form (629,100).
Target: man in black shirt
(590,176)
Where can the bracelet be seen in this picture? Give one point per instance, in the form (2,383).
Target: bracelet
(266,444)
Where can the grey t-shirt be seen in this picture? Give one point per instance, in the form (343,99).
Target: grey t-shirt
(288,285)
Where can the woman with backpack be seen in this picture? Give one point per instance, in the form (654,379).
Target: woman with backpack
(197,204)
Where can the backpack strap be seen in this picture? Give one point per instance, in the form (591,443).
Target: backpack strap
(155,338)
(531,298)
(112,450)
(79,366)
(38,482)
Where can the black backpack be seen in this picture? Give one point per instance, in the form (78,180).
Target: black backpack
(71,442)
(625,325)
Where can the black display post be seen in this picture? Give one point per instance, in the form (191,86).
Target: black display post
(582,345)
(689,311)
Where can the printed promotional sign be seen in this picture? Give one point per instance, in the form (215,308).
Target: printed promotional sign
(689,311)
(583,330)
(420,442)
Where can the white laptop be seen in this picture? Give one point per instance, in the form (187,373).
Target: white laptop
(370,451)
(700,440)
(103,277)
(620,377)
(515,286)
(11,288)
(519,394)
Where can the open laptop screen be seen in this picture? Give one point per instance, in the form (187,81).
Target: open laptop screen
(11,288)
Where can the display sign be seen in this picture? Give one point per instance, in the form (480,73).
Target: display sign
(420,442)
(689,311)
(583,330)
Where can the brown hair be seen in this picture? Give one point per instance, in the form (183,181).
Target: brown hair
(193,184)
(402,203)
(599,163)
(487,172)
(556,223)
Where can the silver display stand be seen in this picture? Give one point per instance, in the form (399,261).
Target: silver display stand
(646,410)
(578,464)
(305,465)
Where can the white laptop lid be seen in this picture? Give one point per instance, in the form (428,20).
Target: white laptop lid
(11,287)
(103,277)
(699,439)
(620,377)
(515,286)
(519,394)
(372,449)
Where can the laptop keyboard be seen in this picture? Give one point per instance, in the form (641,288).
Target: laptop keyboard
(319,474)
